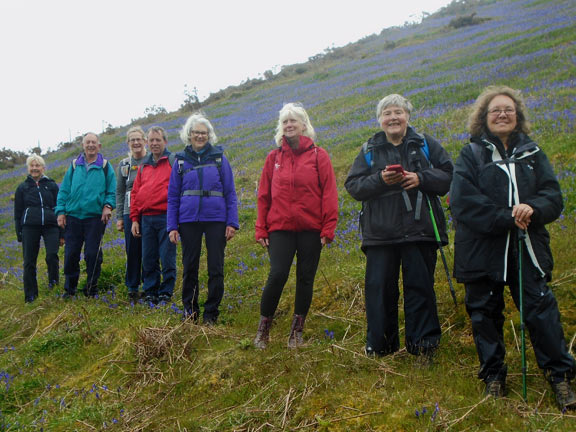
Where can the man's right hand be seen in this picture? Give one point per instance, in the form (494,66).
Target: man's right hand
(62,221)
(136,229)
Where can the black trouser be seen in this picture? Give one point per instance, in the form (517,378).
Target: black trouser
(418,262)
(215,237)
(485,306)
(30,247)
(283,246)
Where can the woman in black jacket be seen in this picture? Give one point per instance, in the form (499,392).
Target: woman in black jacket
(503,187)
(34,217)
(398,174)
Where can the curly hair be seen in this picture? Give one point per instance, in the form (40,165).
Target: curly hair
(477,125)
(197,118)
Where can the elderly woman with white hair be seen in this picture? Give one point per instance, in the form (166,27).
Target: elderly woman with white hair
(297,215)
(398,175)
(202,202)
(34,218)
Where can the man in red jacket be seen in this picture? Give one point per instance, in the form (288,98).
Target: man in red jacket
(148,214)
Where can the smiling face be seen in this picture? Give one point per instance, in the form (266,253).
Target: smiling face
(199,136)
(292,128)
(394,122)
(36,170)
(91,146)
(137,144)
(156,143)
(501,118)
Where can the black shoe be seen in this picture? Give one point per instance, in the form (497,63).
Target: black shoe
(151,299)
(164,298)
(210,321)
(191,315)
(495,388)
(134,296)
(565,396)
(370,352)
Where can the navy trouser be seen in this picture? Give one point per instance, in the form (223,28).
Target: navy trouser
(485,306)
(30,247)
(133,276)
(88,233)
(215,238)
(283,246)
(157,249)
(422,326)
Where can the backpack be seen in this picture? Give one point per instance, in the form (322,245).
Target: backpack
(181,172)
(104,167)
(370,161)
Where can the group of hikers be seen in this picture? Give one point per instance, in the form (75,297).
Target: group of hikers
(502,191)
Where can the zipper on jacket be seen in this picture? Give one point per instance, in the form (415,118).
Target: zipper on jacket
(25,215)
(41,201)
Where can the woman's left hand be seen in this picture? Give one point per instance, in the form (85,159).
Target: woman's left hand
(410,180)
(230,232)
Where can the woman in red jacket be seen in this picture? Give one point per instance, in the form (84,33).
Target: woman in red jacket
(297,215)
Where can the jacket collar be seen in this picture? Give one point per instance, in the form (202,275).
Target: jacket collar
(411,137)
(210,151)
(81,160)
(305,143)
(150,158)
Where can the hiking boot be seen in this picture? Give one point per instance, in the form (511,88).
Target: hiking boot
(210,321)
(151,299)
(565,396)
(164,298)
(296,340)
(495,388)
(263,334)
(134,296)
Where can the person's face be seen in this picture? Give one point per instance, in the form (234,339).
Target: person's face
(501,118)
(156,143)
(394,121)
(136,143)
(292,127)
(199,136)
(91,146)
(36,170)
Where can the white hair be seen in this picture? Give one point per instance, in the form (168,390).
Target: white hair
(193,120)
(393,100)
(296,111)
(35,158)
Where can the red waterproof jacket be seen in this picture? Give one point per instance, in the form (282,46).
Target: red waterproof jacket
(297,191)
(149,194)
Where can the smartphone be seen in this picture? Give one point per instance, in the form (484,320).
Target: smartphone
(396,168)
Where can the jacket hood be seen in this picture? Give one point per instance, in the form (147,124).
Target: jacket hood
(411,136)
(190,155)
(81,160)
(150,158)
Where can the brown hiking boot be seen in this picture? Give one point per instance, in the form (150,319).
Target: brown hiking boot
(263,335)
(565,396)
(295,340)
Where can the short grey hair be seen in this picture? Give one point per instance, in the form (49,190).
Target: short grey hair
(297,111)
(160,130)
(91,133)
(393,100)
(193,120)
(35,158)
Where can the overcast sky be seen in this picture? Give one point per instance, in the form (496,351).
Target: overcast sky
(71,66)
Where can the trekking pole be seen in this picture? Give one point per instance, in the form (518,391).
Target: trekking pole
(439,241)
(521,236)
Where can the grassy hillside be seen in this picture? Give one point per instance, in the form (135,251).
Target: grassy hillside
(106,364)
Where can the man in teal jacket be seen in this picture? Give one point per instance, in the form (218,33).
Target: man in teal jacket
(85,202)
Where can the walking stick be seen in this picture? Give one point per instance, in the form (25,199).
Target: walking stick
(439,241)
(521,236)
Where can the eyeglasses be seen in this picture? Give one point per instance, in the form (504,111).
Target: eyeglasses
(199,133)
(134,140)
(497,111)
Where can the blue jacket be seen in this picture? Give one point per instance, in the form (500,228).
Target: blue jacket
(201,189)
(86,189)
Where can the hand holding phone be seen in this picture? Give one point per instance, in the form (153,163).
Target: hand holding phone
(396,168)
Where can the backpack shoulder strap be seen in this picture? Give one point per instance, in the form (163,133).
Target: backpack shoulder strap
(477,152)
(367,154)
(171,159)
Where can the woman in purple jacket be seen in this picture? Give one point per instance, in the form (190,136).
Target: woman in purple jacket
(202,202)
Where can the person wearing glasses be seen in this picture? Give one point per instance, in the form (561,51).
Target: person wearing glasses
(504,192)
(34,218)
(125,175)
(202,202)
(297,216)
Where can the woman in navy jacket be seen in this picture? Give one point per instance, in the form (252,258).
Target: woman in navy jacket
(34,217)
(202,202)
(503,186)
